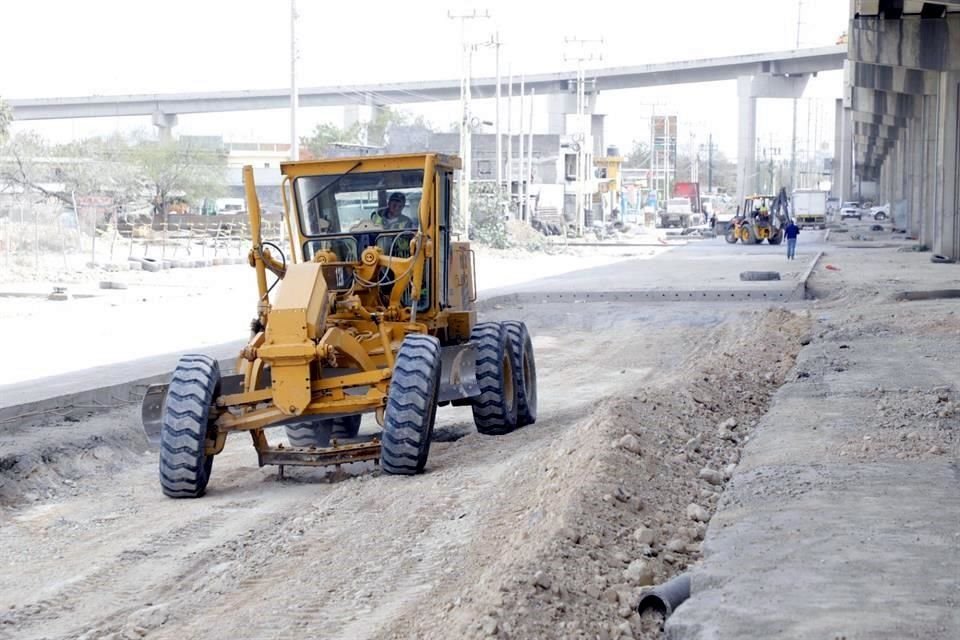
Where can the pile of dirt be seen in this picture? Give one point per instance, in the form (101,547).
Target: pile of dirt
(60,458)
(621,501)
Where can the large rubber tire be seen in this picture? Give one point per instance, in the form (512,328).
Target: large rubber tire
(731,235)
(184,464)
(495,409)
(317,432)
(524,371)
(411,406)
(309,432)
(776,238)
(346,426)
(759,276)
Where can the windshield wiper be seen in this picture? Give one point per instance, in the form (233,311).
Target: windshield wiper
(337,180)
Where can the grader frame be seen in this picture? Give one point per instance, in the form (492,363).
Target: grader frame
(350,330)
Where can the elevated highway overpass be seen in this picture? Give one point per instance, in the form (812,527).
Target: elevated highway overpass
(781,74)
(799,62)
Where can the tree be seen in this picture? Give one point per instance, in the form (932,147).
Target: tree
(325,134)
(639,156)
(27,166)
(6,117)
(375,133)
(385,119)
(176,170)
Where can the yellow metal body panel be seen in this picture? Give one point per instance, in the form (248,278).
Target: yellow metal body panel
(462,279)
(460,324)
(293,324)
(304,288)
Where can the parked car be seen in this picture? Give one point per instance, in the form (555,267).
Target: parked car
(851,210)
(880,213)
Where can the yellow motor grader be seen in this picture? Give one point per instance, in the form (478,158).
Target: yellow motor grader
(369,310)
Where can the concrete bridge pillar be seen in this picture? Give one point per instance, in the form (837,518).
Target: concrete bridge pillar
(164,122)
(360,114)
(562,105)
(843,152)
(947,203)
(749,88)
(746,140)
(928,179)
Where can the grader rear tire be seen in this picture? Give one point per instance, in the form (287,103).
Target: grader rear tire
(317,432)
(524,371)
(411,406)
(184,464)
(495,409)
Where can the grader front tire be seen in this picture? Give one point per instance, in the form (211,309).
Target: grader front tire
(184,464)
(495,409)
(411,406)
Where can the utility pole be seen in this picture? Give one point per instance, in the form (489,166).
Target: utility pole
(653,160)
(509,139)
(294,94)
(496,43)
(581,55)
(793,147)
(710,163)
(465,133)
(520,203)
(529,174)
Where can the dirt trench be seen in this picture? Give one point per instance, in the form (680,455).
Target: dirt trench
(552,531)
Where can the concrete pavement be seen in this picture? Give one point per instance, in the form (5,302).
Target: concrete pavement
(843,518)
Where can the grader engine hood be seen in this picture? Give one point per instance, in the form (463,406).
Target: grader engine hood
(295,321)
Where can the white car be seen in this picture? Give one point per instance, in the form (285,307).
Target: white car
(851,210)
(879,213)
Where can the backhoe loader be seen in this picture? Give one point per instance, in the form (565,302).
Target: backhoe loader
(369,309)
(761,218)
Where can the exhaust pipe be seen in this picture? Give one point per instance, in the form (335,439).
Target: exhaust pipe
(665,598)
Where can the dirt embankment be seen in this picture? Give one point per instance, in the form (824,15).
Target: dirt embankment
(617,503)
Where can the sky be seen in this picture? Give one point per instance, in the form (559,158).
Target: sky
(99,47)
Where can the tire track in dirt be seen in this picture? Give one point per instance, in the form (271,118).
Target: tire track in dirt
(303,557)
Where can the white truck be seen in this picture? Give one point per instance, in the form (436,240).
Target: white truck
(810,208)
(230,206)
(680,213)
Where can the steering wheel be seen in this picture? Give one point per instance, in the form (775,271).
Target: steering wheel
(366,225)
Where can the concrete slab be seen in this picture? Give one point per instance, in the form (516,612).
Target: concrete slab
(855,551)
(36,401)
(710,265)
(839,522)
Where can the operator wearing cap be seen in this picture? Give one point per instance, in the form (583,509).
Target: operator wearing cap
(393,218)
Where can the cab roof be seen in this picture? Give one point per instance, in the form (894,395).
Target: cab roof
(367,164)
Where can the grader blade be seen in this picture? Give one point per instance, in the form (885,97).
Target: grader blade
(458,376)
(151,412)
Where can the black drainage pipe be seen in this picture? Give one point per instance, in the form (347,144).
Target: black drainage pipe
(665,598)
(936,294)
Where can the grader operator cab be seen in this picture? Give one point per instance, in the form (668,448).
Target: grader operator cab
(370,311)
(761,218)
